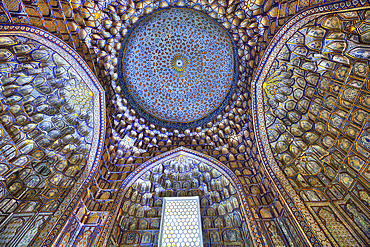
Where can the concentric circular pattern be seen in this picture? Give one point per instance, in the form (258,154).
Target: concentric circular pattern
(178,66)
(179,63)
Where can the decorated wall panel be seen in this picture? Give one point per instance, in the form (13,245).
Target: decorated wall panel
(316,120)
(47,125)
(181,174)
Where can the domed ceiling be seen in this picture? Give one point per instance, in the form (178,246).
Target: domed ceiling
(302,161)
(196,78)
(177,67)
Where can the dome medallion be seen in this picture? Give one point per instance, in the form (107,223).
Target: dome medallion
(177,68)
(179,63)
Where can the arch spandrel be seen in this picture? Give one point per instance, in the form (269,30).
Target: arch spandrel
(52,128)
(309,125)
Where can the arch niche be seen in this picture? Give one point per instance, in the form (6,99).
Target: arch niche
(226,216)
(302,164)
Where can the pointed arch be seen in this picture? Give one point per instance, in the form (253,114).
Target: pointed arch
(194,155)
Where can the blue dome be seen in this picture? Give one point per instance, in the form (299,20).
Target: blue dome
(178,67)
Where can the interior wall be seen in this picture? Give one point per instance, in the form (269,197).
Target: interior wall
(316,120)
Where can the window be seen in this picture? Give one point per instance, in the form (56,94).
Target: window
(180,222)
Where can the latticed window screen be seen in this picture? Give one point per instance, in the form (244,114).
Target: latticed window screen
(181,223)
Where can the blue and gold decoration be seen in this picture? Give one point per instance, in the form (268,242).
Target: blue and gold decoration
(178,67)
(259,108)
(179,62)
